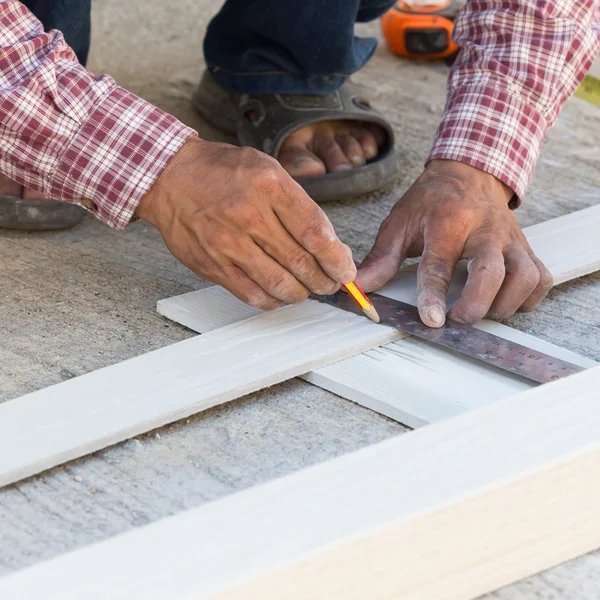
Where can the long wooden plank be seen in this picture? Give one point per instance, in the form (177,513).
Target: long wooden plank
(409,380)
(450,511)
(81,415)
(84,414)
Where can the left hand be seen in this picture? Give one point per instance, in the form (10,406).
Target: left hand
(452,212)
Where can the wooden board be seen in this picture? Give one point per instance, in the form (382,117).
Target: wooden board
(451,511)
(409,380)
(87,413)
(412,381)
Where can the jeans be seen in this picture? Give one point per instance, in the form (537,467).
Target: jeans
(259,46)
(289,46)
(72,17)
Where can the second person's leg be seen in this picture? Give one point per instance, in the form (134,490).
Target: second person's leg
(268,47)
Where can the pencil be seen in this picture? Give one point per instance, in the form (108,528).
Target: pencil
(361,299)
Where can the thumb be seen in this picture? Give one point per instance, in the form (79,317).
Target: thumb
(383,261)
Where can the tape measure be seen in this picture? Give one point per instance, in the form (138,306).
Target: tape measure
(589,90)
(421,28)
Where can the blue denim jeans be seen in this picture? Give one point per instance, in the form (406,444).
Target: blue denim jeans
(289,46)
(258,46)
(72,17)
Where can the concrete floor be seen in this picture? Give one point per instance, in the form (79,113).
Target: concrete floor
(79,300)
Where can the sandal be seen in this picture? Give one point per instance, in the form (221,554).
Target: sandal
(40,215)
(264,121)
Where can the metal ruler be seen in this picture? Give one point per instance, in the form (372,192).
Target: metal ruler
(464,339)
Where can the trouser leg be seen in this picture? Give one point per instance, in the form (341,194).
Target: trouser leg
(71,17)
(289,46)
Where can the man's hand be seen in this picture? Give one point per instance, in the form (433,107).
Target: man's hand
(454,211)
(235,217)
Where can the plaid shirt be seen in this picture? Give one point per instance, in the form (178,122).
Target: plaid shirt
(81,138)
(520,60)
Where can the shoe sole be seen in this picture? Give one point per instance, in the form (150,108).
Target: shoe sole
(38,215)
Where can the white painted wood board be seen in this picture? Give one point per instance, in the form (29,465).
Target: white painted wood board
(409,380)
(451,511)
(87,413)
(412,381)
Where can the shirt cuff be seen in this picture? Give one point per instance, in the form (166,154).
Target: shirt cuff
(116,156)
(494,130)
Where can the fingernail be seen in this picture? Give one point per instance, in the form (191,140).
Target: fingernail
(436,315)
(342,167)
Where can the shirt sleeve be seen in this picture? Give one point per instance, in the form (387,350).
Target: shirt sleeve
(74,136)
(519,63)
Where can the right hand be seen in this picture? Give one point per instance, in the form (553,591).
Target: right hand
(235,217)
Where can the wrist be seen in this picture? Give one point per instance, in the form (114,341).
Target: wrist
(469,177)
(157,201)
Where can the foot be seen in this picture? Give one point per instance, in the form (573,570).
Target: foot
(11,188)
(330,147)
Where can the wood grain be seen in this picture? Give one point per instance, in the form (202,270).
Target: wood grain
(450,511)
(409,380)
(87,413)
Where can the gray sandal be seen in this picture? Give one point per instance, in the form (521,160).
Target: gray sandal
(40,215)
(264,121)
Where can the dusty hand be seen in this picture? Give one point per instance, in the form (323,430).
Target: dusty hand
(235,217)
(454,211)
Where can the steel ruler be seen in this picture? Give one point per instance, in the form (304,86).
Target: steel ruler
(464,339)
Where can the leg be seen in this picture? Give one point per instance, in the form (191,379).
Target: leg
(21,208)
(71,17)
(296,47)
(269,46)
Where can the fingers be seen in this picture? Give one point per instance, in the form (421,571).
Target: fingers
(233,279)
(522,278)
(486,274)
(309,226)
(502,282)
(296,259)
(435,271)
(228,275)
(270,276)
(384,258)
(544,285)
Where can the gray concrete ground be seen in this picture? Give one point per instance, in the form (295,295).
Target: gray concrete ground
(79,300)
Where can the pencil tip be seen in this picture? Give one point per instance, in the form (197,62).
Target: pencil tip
(372,314)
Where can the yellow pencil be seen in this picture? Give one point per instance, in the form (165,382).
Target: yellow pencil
(361,299)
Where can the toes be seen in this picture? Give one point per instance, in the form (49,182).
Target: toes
(329,151)
(300,162)
(351,148)
(368,141)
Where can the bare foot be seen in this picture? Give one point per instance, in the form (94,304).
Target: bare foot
(330,147)
(8,187)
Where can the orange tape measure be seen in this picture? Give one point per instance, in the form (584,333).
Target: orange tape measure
(421,28)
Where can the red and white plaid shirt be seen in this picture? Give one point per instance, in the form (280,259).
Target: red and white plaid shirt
(81,138)
(520,61)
